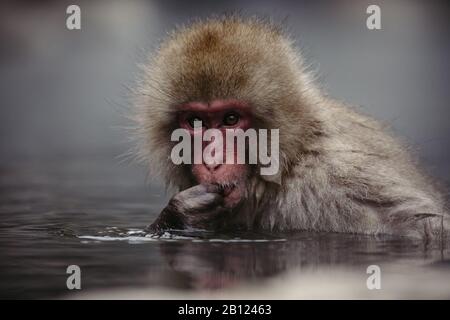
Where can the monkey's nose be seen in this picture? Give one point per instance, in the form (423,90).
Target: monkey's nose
(212,167)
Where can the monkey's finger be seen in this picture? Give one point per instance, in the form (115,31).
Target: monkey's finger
(207,200)
(201,189)
(214,188)
(187,203)
(205,218)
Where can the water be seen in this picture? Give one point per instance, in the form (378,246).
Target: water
(92,212)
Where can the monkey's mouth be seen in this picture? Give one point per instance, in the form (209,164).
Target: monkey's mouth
(227,190)
(232,194)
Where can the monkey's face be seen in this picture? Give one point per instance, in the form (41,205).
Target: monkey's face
(225,117)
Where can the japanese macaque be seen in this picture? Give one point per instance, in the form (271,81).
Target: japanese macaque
(338,170)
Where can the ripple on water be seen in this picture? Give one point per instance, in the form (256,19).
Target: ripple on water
(140,235)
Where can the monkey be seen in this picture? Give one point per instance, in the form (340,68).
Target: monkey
(340,170)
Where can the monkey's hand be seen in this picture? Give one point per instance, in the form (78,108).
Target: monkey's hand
(199,207)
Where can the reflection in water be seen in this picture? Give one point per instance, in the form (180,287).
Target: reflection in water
(53,215)
(202,260)
(219,265)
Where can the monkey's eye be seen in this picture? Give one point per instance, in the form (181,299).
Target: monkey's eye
(194,119)
(231,119)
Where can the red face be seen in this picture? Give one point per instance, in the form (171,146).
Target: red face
(221,115)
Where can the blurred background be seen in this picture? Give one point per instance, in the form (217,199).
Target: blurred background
(61,90)
(67,198)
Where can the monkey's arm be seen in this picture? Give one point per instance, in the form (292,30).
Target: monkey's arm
(198,207)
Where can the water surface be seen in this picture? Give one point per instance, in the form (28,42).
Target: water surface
(92,213)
